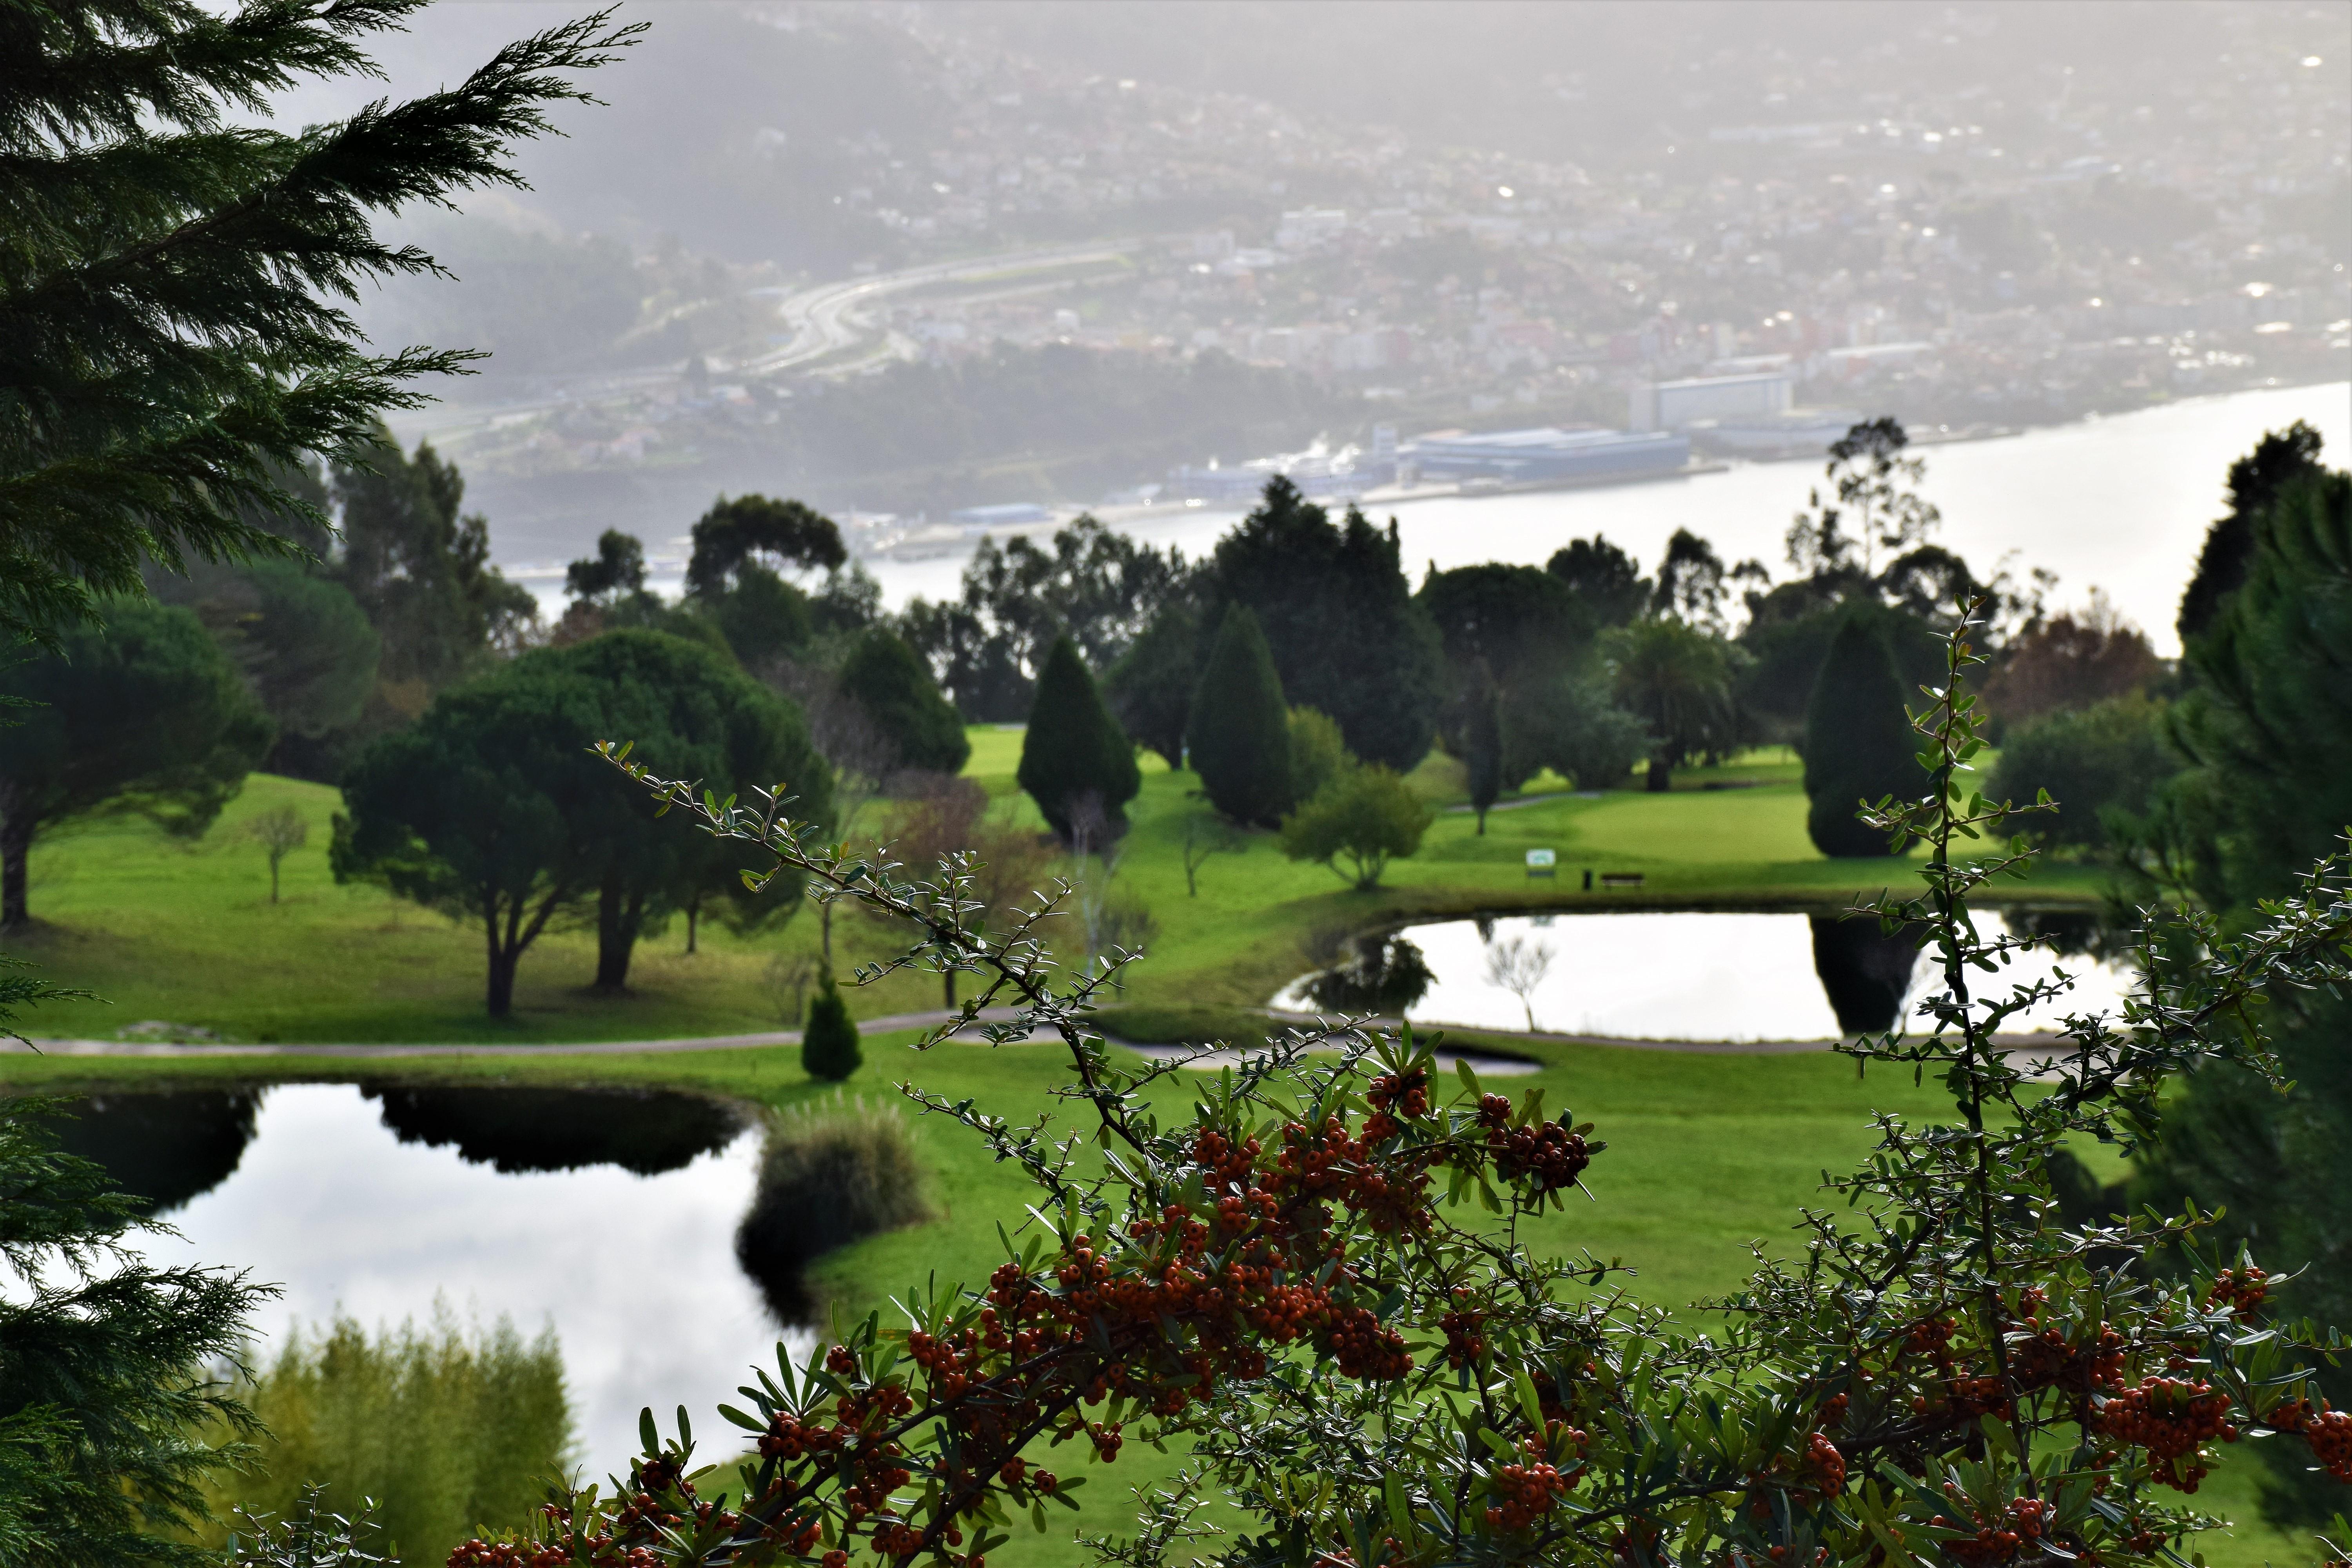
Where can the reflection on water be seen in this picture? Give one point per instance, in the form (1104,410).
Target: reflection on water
(1696,976)
(165,1148)
(645,1130)
(1865,973)
(490,1198)
(1383,974)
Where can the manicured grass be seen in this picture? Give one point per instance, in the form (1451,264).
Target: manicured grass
(182,933)
(1708,1152)
(1706,1155)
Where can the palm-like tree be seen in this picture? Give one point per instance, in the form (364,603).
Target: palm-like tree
(1677,679)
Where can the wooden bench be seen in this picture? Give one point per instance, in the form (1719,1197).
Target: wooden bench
(1621,878)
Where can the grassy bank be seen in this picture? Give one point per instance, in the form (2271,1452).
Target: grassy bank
(182,933)
(1708,1154)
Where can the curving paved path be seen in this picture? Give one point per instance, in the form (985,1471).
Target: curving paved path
(892,1023)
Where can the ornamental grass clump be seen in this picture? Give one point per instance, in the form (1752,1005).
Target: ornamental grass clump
(423,1435)
(834,1172)
(1321,1275)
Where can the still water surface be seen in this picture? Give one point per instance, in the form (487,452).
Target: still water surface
(2120,504)
(1691,976)
(381,1204)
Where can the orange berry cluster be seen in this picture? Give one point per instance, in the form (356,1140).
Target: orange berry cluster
(2171,1418)
(1548,1156)
(2017,1532)
(1523,1494)
(2242,1290)
(2329,1433)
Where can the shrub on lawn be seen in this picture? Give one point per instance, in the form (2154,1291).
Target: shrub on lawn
(834,1172)
(1367,818)
(2095,761)
(890,682)
(444,1429)
(829,1050)
(1319,754)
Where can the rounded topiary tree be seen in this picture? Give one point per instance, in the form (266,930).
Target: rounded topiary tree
(890,682)
(1240,732)
(1858,742)
(1074,748)
(829,1044)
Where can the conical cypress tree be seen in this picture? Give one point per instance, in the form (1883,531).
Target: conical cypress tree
(1858,741)
(890,680)
(1240,735)
(829,1044)
(1075,748)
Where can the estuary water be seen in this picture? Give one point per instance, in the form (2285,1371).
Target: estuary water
(2119,504)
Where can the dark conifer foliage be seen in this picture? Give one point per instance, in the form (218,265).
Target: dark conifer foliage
(1336,614)
(1481,733)
(1240,728)
(1151,687)
(1075,749)
(2278,460)
(756,529)
(172,336)
(1609,587)
(1858,741)
(142,711)
(894,690)
(829,1050)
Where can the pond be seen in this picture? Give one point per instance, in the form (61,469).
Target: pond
(609,1215)
(1743,978)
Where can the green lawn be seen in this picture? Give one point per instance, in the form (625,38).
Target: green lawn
(1706,1155)
(183,934)
(1706,1152)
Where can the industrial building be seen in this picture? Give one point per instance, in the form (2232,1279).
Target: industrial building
(1677,404)
(1546,456)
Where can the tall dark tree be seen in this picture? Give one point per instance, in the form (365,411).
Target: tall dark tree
(1518,619)
(760,531)
(762,619)
(2278,460)
(1482,735)
(691,715)
(139,712)
(172,341)
(420,567)
(1677,681)
(491,807)
(1609,587)
(1873,506)
(1338,616)
(895,690)
(1098,587)
(1150,686)
(1858,742)
(1691,582)
(1240,734)
(1075,750)
(617,569)
(2267,724)
(302,642)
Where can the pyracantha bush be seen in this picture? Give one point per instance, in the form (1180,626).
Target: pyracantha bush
(1316,1279)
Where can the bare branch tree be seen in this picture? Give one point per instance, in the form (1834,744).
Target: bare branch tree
(1518,965)
(280,831)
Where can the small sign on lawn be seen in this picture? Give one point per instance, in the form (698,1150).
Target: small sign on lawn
(1543,863)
